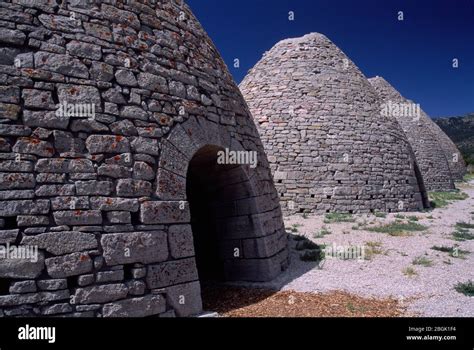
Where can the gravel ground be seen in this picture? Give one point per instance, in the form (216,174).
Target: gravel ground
(429,292)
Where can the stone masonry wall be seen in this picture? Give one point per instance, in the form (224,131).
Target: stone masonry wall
(103,197)
(456,163)
(329,147)
(430,155)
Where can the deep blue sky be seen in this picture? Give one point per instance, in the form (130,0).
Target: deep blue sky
(414,55)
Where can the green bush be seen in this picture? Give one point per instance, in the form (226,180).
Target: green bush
(466,288)
(398,228)
(423,261)
(312,255)
(338,217)
(442,199)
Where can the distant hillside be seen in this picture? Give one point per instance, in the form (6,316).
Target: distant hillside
(461,131)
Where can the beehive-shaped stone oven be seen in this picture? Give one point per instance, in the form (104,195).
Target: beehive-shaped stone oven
(113,115)
(456,163)
(329,147)
(434,157)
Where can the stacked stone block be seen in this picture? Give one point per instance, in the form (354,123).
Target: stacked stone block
(437,157)
(103,196)
(329,147)
(456,163)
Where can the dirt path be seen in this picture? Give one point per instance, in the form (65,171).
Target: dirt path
(251,302)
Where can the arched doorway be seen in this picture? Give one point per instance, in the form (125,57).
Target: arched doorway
(233,210)
(214,191)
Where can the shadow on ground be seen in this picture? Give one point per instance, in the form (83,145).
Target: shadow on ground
(223,298)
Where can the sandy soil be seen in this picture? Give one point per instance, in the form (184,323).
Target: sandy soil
(428,292)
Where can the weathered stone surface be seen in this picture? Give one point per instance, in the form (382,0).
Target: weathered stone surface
(32,220)
(133,188)
(181,241)
(85,280)
(101,294)
(62,64)
(9,111)
(78,217)
(184,299)
(8,236)
(91,307)
(23,287)
(8,55)
(134,247)
(124,127)
(16,165)
(116,15)
(432,151)
(142,171)
(18,207)
(170,186)
(178,89)
(137,307)
(136,287)
(88,125)
(93,187)
(98,30)
(110,276)
(54,284)
(79,95)
(62,165)
(119,217)
(314,149)
(102,71)
(114,95)
(55,190)
(107,144)
(68,265)
(14,130)
(9,181)
(173,160)
(56,309)
(171,273)
(56,22)
(38,99)
(25,60)
(34,146)
(101,116)
(125,77)
(60,243)
(70,203)
(9,94)
(146,145)
(84,50)
(133,112)
(66,143)
(152,82)
(9,36)
(4,145)
(23,268)
(32,298)
(164,212)
(114,203)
